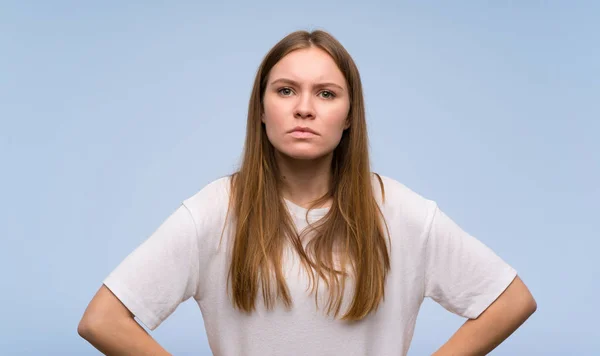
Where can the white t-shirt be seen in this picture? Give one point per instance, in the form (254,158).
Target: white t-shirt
(430,257)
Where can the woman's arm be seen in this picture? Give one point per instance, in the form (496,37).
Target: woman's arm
(111,328)
(480,336)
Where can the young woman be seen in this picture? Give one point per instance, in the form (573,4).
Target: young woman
(305,251)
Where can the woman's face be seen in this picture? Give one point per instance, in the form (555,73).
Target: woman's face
(306,90)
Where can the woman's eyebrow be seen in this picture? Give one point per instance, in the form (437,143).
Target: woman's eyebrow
(294,83)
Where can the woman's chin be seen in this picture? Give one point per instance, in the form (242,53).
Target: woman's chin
(303,155)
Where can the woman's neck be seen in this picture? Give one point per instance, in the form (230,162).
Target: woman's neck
(304,181)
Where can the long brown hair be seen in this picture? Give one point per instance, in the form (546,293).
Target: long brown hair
(352,229)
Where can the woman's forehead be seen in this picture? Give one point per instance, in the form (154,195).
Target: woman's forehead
(310,65)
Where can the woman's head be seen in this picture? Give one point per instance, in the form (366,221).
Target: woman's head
(306,90)
(309,80)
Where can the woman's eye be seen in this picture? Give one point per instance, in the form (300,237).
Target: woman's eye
(326,94)
(285,91)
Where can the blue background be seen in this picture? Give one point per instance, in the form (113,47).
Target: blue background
(114,112)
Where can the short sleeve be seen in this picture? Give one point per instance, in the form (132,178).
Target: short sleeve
(462,274)
(161,273)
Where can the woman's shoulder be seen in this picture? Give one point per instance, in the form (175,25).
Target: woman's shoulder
(397,198)
(211,199)
(395,190)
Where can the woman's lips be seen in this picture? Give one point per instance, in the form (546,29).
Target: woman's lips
(302,134)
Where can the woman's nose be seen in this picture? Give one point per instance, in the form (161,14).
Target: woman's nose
(305,108)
